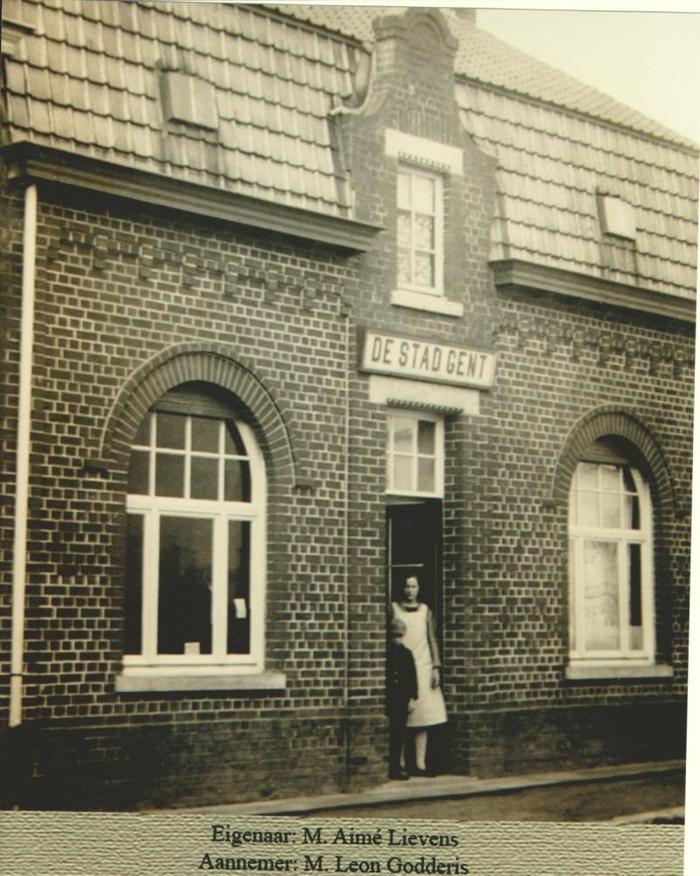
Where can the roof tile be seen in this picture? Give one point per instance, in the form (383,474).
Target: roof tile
(276,79)
(39,117)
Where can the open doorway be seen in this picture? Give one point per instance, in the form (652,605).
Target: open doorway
(414,547)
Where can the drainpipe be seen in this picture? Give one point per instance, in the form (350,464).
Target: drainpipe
(19,554)
(346,539)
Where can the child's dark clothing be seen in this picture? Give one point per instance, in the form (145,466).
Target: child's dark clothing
(401,687)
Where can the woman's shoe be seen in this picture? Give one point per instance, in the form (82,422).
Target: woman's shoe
(398,775)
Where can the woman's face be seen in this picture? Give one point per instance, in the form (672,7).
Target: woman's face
(410,589)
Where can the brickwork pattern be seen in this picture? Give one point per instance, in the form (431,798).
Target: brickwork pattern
(129,304)
(109,341)
(510,601)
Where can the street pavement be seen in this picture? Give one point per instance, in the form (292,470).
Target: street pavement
(641,793)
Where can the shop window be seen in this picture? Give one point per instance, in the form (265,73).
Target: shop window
(419,202)
(195,561)
(610,562)
(414,455)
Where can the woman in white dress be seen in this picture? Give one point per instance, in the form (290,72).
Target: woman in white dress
(420,638)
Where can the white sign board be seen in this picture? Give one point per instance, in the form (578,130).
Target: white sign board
(425,360)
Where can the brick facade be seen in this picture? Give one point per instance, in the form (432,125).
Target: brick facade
(133,300)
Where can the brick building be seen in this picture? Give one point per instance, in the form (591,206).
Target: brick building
(298,300)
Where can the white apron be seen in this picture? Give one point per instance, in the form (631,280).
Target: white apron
(429,708)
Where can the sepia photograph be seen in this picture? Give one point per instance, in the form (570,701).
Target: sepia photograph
(347,421)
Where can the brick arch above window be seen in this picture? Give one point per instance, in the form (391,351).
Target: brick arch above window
(618,422)
(213,364)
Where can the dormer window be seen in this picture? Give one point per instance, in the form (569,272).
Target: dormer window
(419,230)
(190,100)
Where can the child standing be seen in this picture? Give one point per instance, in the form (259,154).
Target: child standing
(401,688)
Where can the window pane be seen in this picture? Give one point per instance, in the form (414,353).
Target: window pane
(610,478)
(238,632)
(587,475)
(424,270)
(572,594)
(170,431)
(138,472)
(170,475)
(237,481)
(204,478)
(601,595)
(423,194)
(184,586)
(233,444)
(403,434)
(630,502)
(426,437)
(403,191)
(404,229)
(610,510)
(205,434)
(133,586)
(636,638)
(587,508)
(403,473)
(426,475)
(424,231)
(628,480)
(143,436)
(404,266)
(631,512)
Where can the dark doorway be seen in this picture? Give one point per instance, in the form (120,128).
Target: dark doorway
(414,547)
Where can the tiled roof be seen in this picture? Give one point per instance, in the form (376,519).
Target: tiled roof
(89,79)
(483,57)
(551,168)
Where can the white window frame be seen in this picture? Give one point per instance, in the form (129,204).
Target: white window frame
(413,173)
(153,508)
(439,159)
(439,457)
(622,537)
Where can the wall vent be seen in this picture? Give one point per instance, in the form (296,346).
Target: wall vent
(617,217)
(190,100)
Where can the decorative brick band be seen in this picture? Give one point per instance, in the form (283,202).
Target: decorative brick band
(610,420)
(209,363)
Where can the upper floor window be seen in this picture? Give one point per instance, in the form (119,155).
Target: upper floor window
(427,172)
(419,230)
(610,561)
(414,454)
(195,568)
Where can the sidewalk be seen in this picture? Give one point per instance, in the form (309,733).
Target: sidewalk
(385,798)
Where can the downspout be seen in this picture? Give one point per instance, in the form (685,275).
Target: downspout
(19,553)
(346,540)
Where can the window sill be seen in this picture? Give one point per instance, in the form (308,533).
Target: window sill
(154,681)
(575,672)
(423,301)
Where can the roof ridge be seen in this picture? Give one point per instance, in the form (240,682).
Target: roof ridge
(662,132)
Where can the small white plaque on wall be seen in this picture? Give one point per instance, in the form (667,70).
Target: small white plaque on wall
(399,356)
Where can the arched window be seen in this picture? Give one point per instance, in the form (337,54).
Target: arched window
(195,563)
(611,596)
